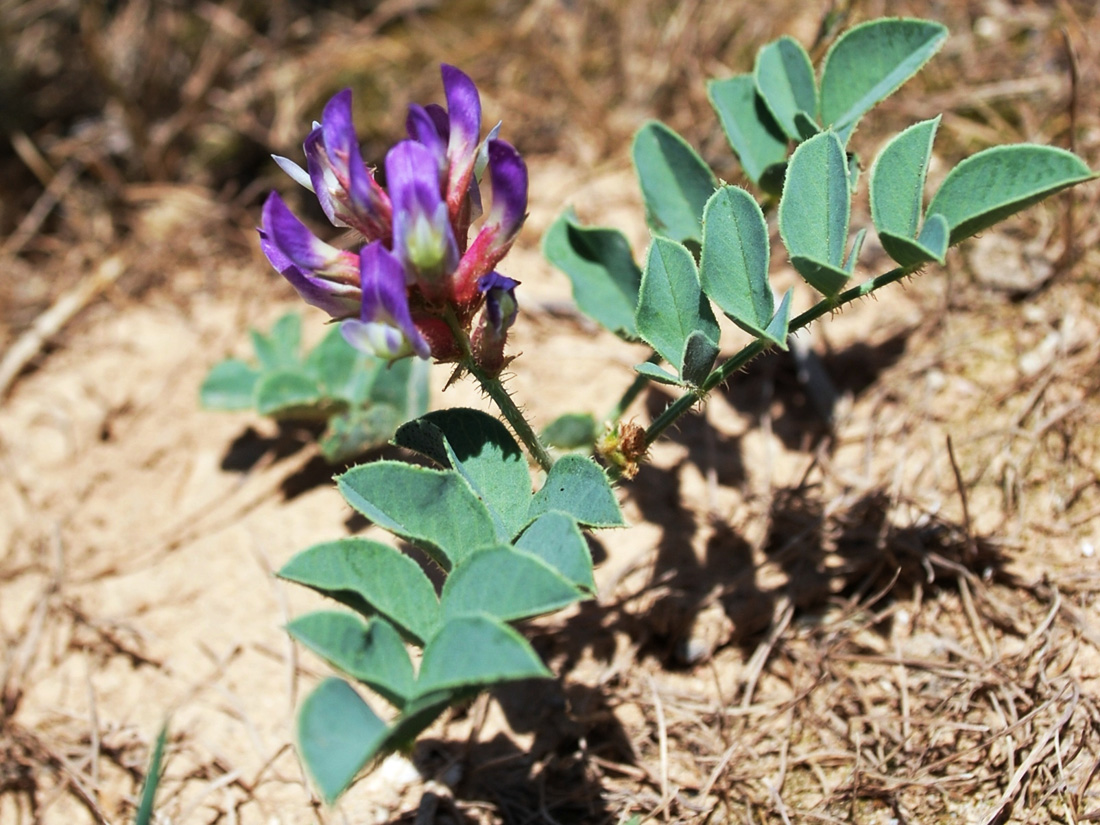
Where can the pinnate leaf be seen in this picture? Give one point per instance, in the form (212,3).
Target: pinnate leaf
(988,187)
(337,734)
(602,270)
(675,182)
(869,62)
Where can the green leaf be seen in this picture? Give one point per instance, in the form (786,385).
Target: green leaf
(402,385)
(658,374)
(675,182)
(753,134)
(853,254)
(602,269)
(576,485)
(508,584)
(869,62)
(418,715)
(350,434)
(434,509)
(480,449)
(734,268)
(814,212)
(897,180)
(337,734)
(935,236)
(373,652)
(556,539)
(671,305)
(700,351)
(282,347)
(229,386)
(477,651)
(287,393)
(369,577)
(995,183)
(341,371)
(571,431)
(778,328)
(785,80)
(153,776)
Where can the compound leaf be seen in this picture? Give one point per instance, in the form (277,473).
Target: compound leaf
(869,62)
(602,270)
(988,187)
(675,182)
(337,734)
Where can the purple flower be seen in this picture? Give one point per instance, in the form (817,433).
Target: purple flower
(385,327)
(501,307)
(423,239)
(344,186)
(325,277)
(508,180)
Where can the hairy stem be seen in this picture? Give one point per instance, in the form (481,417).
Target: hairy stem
(495,390)
(688,400)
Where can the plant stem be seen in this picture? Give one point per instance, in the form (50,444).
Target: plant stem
(686,401)
(495,390)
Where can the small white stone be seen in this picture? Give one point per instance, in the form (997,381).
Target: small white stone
(1087,549)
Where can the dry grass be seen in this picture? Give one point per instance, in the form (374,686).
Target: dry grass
(892,619)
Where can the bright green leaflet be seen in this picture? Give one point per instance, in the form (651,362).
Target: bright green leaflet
(753,134)
(373,652)
(869,62)
(675,182)
(337,734)
(469,651)
(434,509)
(601,268)
(507,584)
(369,577)
(785,81)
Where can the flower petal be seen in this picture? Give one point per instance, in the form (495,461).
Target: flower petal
(508,177)
(422,234)
(386,303)
(338,300)
(300,176)
(304,249)
(464,114)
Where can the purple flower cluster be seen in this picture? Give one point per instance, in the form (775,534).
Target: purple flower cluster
(418,276)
